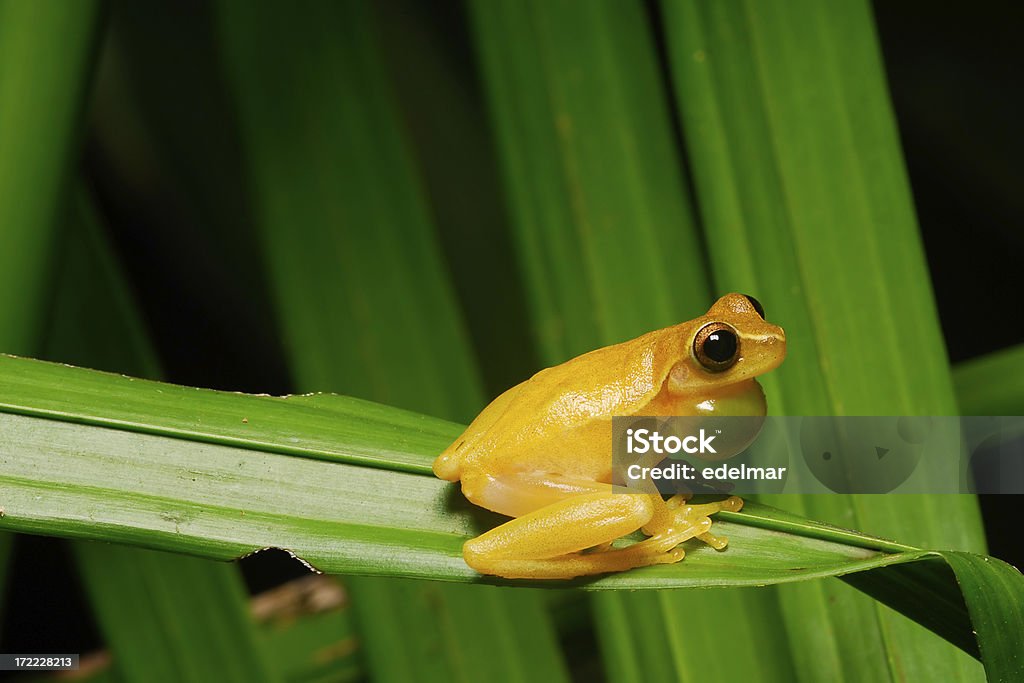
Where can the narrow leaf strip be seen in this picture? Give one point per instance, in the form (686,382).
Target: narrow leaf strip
(992,384)
(46,51)
(311,425)
(45,60)
(995,600)
(190,616)
(992,596)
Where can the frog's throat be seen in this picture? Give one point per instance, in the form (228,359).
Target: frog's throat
(745,397)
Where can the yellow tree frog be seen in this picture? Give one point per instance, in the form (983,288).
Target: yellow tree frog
(541,451)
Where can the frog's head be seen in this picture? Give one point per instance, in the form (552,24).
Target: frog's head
(721,353)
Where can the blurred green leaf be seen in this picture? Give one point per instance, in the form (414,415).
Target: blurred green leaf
(609,249)
(308,626)
(171,617)
(596,193)
(437,91)
(460,631)
(341,214)
(165,161)
(46,51)
(45,61)
(94,320)
(365,305)
(992,384)
(685,635)
(805,203)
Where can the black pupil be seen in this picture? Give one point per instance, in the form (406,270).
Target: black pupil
(720,346)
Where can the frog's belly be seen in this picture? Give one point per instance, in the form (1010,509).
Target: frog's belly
(518,493)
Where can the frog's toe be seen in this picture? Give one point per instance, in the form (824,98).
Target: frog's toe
(677,500)
(716,542)
(670,557)
(679,530)
(730,504)
(694,514)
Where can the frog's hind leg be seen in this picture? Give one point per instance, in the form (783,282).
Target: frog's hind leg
(547,543)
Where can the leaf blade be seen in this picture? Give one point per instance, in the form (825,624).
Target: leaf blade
(808,204)
(991,385)
(220,501)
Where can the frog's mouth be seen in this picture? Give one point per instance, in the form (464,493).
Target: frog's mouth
(679,397)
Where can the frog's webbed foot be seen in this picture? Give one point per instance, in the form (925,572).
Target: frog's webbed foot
(680,513)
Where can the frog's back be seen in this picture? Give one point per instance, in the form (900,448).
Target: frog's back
(538,416)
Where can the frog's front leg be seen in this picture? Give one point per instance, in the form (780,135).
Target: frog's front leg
(547,543)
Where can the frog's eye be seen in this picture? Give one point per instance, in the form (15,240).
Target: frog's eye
(757,305)
(716,347)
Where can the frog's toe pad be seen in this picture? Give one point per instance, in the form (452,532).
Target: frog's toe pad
(716,542)
(672,556)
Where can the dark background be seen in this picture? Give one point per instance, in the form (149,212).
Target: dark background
(955,79)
